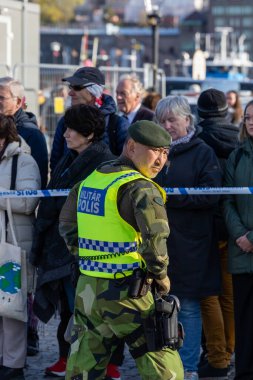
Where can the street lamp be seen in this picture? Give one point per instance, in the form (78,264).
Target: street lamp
(153,18)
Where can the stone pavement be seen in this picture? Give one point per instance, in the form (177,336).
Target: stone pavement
(49,354)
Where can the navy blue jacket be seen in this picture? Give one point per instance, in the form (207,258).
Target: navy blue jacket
(27,128)
(115,132)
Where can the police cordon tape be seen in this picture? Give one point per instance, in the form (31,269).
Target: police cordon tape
(168,190)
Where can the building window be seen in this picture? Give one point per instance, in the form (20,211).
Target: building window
(246,21)
(220,21)
(234,10)
(235,22)
(247,10)
(217,11)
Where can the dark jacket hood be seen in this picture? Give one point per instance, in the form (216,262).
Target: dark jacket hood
(28,118)
(219,135)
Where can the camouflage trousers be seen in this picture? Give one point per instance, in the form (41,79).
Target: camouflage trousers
(103,315)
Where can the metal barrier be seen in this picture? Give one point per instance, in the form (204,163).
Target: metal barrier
(44,82)
(145,74)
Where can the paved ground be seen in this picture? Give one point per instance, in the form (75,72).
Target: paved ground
(49,354)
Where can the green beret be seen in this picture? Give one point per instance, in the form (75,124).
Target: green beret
(149,133)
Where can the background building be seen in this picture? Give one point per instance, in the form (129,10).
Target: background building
(20,45)
(236,14)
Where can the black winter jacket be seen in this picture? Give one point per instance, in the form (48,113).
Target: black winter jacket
(219,135)
(28,129)
(223,138)
(192,245)
(49,252)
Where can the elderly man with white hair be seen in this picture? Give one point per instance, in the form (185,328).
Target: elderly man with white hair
(86,86)
(129,95)
(12,96)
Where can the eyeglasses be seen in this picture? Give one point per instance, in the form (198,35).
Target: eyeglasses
(77,88)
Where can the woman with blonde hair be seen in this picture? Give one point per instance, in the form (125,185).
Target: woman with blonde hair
(238,212)
(235,110)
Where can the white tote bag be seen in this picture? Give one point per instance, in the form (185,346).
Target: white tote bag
(13,276)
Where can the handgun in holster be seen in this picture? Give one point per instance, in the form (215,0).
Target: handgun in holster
(162,328)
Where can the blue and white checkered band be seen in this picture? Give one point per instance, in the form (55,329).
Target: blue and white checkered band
(95,266)
(106,246)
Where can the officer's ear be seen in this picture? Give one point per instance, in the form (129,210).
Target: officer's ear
(129,148)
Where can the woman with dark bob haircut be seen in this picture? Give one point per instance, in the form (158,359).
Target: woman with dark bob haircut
(86,120)
(85,127)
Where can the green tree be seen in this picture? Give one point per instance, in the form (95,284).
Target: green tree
(57,11)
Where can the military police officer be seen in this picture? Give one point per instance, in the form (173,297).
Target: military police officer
(115,221)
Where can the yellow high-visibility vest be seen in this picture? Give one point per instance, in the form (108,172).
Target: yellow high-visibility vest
(108,245)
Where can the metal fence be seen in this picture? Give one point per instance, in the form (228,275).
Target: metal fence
(42,100)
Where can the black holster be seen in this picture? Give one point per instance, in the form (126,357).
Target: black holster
(138,286)
(162,328)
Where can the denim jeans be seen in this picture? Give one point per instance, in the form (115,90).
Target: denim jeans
(190,317)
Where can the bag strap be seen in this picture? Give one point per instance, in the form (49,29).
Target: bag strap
(11,224)
(14,166)
(8,213)
(3,226)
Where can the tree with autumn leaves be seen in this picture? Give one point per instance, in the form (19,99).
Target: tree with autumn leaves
(57,11)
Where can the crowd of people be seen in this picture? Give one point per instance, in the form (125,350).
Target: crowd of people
(116,156)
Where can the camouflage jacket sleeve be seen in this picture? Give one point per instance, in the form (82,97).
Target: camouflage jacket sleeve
(68,221)
(151,220)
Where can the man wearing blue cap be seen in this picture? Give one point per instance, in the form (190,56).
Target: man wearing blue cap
(86,86)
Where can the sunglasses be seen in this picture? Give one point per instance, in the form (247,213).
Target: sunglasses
(77,88)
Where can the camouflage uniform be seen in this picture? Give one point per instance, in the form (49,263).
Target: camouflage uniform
(103,311)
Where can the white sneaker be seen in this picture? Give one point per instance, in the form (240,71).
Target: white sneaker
(190,375)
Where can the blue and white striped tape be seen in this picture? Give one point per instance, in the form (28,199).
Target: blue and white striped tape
(169,191)
(34,193)
(207,190)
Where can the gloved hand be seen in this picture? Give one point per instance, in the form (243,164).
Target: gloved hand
(162,286)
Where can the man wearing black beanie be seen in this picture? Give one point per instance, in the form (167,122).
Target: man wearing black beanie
(217,310)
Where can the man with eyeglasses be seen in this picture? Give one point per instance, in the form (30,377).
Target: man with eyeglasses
(86,86)
(11,103)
